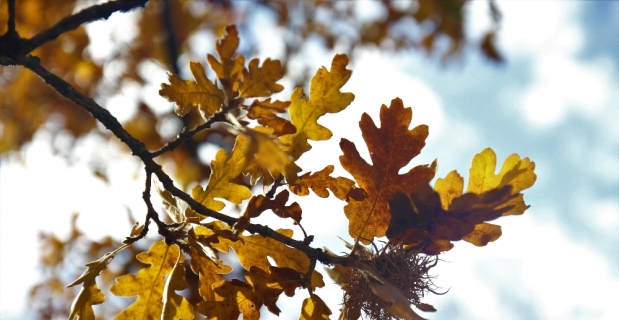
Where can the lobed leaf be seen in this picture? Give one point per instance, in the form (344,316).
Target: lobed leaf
(342,188)
(325,97)
(205,263)
(260,203)
(229,69)
(224,170)
(90,294)
(187,93)
(148,284)
(260,81)
(314,309)
(391,148)
(176,307)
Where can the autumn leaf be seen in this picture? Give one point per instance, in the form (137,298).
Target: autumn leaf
(187,93)
(172,204)
(89,295)
(325,97)
(148,283)
(260,81)
(260,203)
(269,161)
(230,68)
(231,299)
(175,306)
(205,263)
(265,112)
(391,148)
(320,181)
(314,309)
(224,169)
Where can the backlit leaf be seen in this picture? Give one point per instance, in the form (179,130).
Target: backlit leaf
(230,67)
(260,81)
(260,203)
(148,283)
(202,92)
(89,295)
(320,181)
(314,309)
(204,264)
(175,306)
(325,97)
(224,169)
(391,148)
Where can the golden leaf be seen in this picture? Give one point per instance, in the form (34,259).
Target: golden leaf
(260,81)
(207,267)
(231,299)
(187,93)
(224,169)
(89,295)
(176,307)
(314,309)
(391,148)
(258,204)
(230,69)
(148,284)
(325,97)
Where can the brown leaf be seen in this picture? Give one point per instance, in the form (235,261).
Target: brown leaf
(230,68)
(391,147)
(260,203)
(320,181)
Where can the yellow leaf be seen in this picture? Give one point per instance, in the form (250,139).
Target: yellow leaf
(269,157)
(175,306)
(205,266)
(231,299)
(325,97)
(187,93)
(260,81)
(148,284)
(230,69)
(223,170)
(89,295)
(314,309)
(483,233)
(449,188)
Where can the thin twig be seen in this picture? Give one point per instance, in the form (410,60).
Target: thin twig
(72,22)
(184,135)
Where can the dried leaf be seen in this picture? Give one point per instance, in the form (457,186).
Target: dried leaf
(175,306)
(187,93)
(395,302)
(148,284)
(325,97)
(391,148)
(229,69)
(89,295)
(320,181)
(260,81)
(260,203)
(223,170)
(172,204)
(205,263)
(314,309)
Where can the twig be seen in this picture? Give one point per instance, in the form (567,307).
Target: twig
(184,135)
(93,13)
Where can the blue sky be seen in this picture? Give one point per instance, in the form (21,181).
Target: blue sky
(556,100)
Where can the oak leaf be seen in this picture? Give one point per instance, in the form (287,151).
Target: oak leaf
(314,309)
(205,263)
(325,97)
(231,299)
(320,181)
(230,68)
(391,148)
(269,160)
(187,93)
(90,294)
(223,170)
(260,81)
(265,112)
(175,306)
(148,283)
(260,203)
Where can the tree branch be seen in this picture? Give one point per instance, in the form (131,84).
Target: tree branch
(72,22)
(138,149)
(11,26)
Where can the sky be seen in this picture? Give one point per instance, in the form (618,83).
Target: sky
(556,101)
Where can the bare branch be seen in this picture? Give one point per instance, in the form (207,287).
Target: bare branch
(11,18)
(72,22)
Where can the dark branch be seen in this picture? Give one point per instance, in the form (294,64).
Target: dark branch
(96,12)
(171,42)
(11,30)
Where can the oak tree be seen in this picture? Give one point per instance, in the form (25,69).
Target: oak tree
(400,223)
